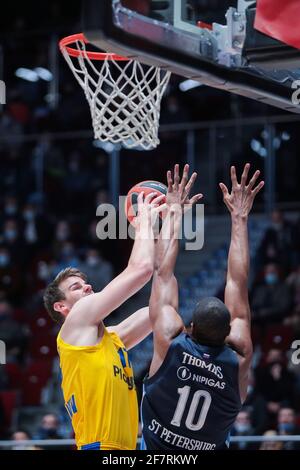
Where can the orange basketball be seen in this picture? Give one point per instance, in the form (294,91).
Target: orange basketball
(147,187)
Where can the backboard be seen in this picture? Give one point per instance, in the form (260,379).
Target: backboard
(230,54)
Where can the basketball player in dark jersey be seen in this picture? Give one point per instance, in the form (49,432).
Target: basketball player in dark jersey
(198,382)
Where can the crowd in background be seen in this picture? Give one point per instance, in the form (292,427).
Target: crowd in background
(48,221)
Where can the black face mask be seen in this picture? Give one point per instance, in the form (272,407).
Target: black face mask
(48,433)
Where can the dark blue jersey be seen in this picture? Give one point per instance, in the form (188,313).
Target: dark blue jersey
(192,401)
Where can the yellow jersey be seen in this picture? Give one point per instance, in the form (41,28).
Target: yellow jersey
(99,393)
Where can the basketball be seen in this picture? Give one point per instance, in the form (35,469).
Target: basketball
(147,187)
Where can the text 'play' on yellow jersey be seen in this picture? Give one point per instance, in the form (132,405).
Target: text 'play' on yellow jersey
(99,393)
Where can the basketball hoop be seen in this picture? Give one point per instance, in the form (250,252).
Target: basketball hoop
(124,95)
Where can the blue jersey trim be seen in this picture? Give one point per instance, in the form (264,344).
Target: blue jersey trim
(92,446)
(143,444)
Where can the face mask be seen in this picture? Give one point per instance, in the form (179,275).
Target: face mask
(67,251)
(11,234)
(286,427)
(4,260)
(92,260)
(48,433)
(240,427)
(271,278)
(10,210)
(28,215)
(43,272)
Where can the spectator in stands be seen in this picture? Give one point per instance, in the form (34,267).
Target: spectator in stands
(242,427)
(62,233)
(10,207)
(278,241)
(9,127)
(12,239)
(276,383)
(77,182)
(66,257)
(286,425)
(99,272)
(271,301)
(293,281)
(10,281)
(20,435)
(49,427)
(256,404)
(36,230)
(271,445)
(12,333)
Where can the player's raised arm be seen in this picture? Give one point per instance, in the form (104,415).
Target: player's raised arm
(239,203)
(163,308)
(91,309)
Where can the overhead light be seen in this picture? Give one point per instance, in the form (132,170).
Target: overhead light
(255,145)
(27,74)
(189,85)
(108,147)
(285,136)
(263,152)
(258,148)
(44,74)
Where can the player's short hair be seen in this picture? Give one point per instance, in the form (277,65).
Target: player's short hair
(53,293)
(211,322)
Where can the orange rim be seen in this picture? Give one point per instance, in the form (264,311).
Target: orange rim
(64,45)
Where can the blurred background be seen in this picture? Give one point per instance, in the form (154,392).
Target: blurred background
(54,176)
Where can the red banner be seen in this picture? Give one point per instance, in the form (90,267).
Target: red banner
(279,19)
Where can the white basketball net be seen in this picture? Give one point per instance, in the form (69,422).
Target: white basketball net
(124,97)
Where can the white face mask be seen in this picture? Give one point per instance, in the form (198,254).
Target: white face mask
(4,260)
(10,234)
(10,209)
(242,427)
(92,260)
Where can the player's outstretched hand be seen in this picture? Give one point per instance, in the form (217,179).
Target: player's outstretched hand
(179,189)
(239,202)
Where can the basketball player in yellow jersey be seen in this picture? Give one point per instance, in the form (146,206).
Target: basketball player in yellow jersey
(97,378)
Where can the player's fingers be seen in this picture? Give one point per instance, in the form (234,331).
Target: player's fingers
(190,183)
(176,177)
(158,199)
(195,199)
(233,177)
(185,177)
(161,207)
(140,199)
(253,179)
(245,174)
(170,181)
(149,197)
(258,188)
(224,189)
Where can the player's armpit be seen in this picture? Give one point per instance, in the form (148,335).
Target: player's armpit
(133,329)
